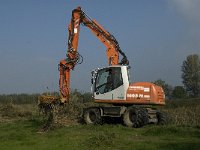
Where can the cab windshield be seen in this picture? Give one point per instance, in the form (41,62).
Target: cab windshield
(108,79)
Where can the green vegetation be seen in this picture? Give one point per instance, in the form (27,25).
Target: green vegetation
(179,92)
(19,98)
(184,112)
(23,135)
(20,128)
(191,75)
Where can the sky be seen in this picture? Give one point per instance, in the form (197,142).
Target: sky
(157,36)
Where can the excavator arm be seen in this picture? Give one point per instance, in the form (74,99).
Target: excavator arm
(73,57)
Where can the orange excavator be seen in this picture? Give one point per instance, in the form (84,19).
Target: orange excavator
(130,101)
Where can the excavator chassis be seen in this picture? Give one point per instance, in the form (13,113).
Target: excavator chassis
(133,116)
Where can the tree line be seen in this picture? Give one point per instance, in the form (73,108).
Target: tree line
(190,78)
(33,98)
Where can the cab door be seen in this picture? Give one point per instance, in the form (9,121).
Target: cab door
(109,84)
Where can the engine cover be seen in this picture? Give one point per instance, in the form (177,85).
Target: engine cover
(145,93)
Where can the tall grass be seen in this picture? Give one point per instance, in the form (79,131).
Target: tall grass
(184,112)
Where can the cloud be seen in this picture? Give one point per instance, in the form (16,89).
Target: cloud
(187,8)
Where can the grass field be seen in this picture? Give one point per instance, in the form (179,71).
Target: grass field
(23,135)
(20,123)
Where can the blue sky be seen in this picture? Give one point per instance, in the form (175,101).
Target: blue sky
(155,35)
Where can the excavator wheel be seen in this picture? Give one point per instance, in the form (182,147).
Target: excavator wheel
(135,117)
(92,116)
(163,118)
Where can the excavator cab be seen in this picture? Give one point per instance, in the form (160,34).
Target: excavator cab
(110,83)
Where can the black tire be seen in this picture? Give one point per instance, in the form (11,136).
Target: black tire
(135,117)
(145,116)
(163,118)
(92,116)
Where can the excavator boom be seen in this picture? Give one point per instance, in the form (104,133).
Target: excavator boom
(73,57)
